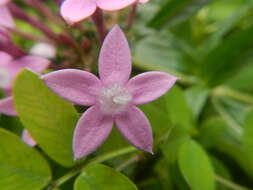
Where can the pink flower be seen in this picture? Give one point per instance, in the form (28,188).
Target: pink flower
(74,11)
(6,19)
(9,68)
(27,138)
(113,97)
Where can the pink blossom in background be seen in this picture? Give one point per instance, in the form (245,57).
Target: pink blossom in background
(113,97)
(6,20)
(74,11)
(9,68)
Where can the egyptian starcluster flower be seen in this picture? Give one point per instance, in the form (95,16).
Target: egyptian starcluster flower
(113,97)
(6,20)
(77,10)
(9,68)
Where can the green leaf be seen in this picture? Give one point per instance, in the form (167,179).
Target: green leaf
(196,166)
(178,109)
(240,81)
(215,134)
(172,146)
(233,113)
(217,37)
(196,97)
(176,11)
(21,167)
(49,118)
(225,60)
(166,52)
(100,177)
(157,114)
(248,137)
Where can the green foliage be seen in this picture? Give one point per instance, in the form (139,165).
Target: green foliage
(21,167)
(100,177)
(52,121)
(196,166)
(247,138)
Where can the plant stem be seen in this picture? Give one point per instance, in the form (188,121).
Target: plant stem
(43,9)
(228,92)
(128,162)
(98,19)
(97,160)
(236,129)
(229,184)
(131,16)
(112,155)
(28,36)
(20,14)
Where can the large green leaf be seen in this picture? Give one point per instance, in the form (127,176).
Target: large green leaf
(48,118)
(196,166)
(100,177)
(21,167)
(178,109)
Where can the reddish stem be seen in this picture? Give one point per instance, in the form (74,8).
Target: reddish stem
(20,14)
(9,47)
(98,19)
(37,4)
(131,16)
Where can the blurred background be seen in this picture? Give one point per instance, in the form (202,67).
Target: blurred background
(203,127)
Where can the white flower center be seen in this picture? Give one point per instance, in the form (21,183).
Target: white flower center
(114,99)
(4,78)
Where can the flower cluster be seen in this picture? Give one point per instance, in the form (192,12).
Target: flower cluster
(74,11)
(113,97)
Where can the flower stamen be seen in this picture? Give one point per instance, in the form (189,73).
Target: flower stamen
(114,99)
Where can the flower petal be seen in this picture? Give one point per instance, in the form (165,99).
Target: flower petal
(92,130)
(3,2)
(135,127)
(5,58)
(7,107)
(74,11)
(143,1)
(27,138)
(36,64)
(6,17)
(79,87)
(112,5)
(115,58)
(149,86)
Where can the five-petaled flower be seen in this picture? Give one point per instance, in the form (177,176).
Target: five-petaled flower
(6,20)
(74,11)
(112,97)
(9,68)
